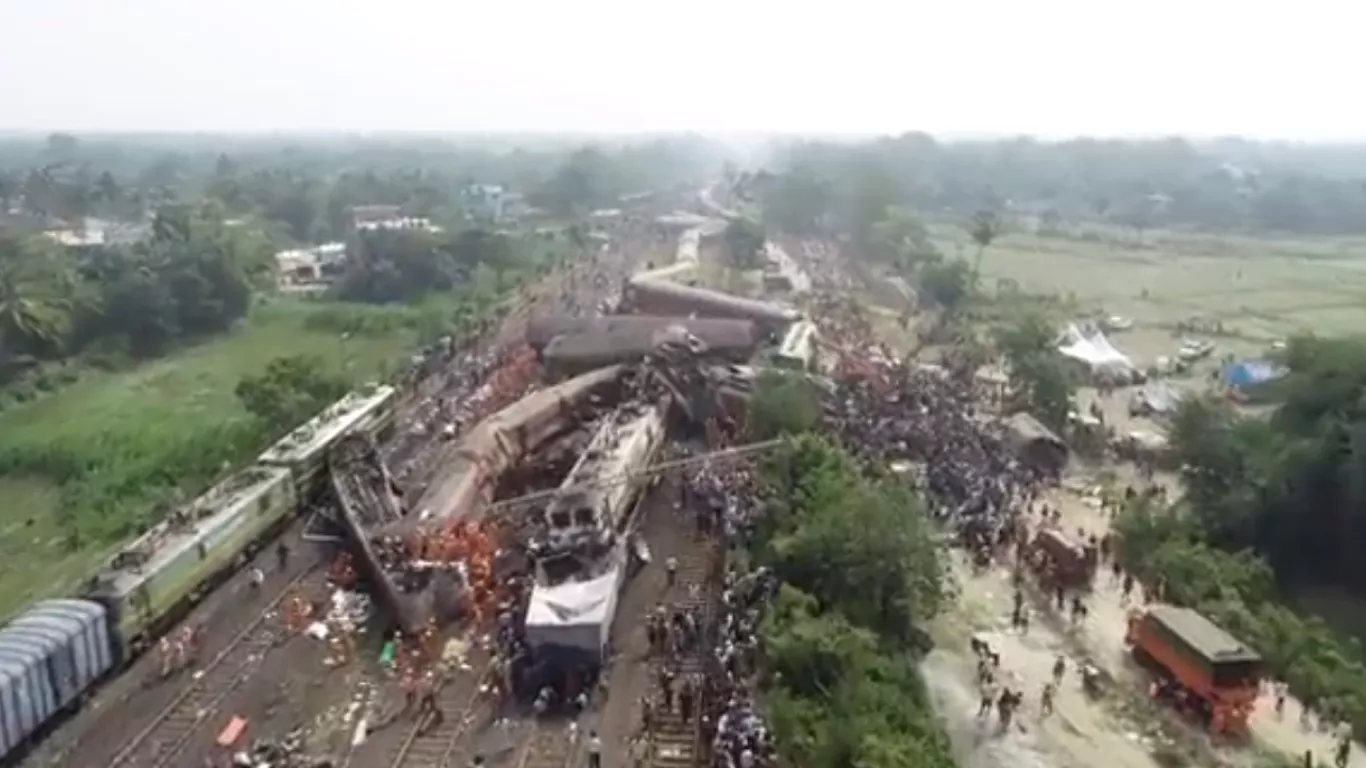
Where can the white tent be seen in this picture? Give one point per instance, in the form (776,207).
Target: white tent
(574,614)
(1095,351)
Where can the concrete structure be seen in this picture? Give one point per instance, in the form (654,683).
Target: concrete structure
(310,268)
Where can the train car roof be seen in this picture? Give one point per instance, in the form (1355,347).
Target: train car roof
(762,308)
(1203,636)
(319,432)
(141,560)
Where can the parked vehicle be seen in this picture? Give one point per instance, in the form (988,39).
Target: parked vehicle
(1199,668)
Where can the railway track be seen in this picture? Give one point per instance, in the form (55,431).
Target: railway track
(550,745)
(432,747)
(676,743)
(163,740)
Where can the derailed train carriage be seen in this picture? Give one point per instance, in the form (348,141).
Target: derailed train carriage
(572,355)
(656,297)
(468,481)
(581,562)
(542,331)
(57,652)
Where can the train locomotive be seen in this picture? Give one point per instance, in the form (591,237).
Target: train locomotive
(55,654)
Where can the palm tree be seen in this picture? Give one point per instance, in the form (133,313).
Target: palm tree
(35,300)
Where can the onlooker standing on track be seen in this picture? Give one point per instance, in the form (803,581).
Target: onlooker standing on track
(427,703)
(594,750)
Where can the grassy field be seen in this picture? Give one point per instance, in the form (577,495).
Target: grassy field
(1261,290)
(144,415)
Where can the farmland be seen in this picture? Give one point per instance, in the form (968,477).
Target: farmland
(74,451)
(1260,290)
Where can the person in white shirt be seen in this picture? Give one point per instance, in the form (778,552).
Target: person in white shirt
(594,750)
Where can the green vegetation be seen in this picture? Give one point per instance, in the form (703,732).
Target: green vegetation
(1041,380)
(1272,505)
(860,572)
(91,463)
(1139,185)
(783,406)
(192,277)
(138,367)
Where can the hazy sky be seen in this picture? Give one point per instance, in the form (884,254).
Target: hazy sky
(1052,67)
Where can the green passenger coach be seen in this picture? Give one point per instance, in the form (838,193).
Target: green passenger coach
(370,410)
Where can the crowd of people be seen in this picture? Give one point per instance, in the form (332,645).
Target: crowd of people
(723,499)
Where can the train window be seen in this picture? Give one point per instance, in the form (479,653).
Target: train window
(583,516)
(559,519)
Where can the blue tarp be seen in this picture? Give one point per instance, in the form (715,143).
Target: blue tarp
(1250,373)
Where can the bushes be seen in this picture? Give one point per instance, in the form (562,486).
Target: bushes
(860,569)
(1238,592)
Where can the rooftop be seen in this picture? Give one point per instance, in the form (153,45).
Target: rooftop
(1203,636)
(201,520)
(327,426)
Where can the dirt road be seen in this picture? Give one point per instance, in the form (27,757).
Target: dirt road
(1105,630)
(1121,729)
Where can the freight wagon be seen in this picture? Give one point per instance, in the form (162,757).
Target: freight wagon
(49,658)
(58,651)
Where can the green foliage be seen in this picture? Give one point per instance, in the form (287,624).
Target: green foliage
(35,298)
(946,283)
(1237,591)
(1136,184)
(191,278)
(1289,489)
(983,227)
(783,404)
(290,391)
(860,570)
(1293,486)
(745,244)
(1041,380)
(900,239)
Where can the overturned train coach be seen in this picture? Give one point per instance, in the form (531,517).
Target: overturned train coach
(471,474)
(573,355)
(656,297)
(722,332)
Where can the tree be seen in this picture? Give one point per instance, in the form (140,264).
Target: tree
(860,569)
(290,391)
(902,240)
(799,201)
(35,298)
(1041,380)
(947,283)
(783,404)
(588,178)
(983,227)
(745,244)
